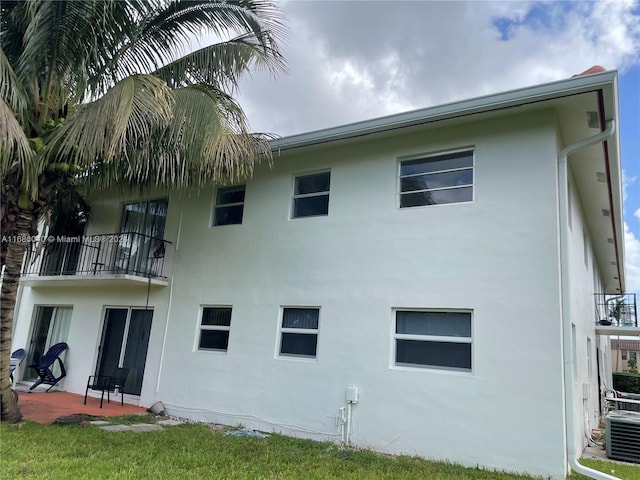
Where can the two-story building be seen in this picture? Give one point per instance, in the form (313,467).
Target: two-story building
(421,283)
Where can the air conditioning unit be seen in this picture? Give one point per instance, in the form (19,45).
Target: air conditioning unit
(623,436)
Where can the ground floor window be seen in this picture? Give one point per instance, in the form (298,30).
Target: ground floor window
(215,325)
(433,339)
(50,326)
(299,332)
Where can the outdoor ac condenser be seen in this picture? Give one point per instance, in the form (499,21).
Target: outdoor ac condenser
(623,436)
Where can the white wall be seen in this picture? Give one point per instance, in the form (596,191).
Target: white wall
(496,256)
(584,283)
(357,264)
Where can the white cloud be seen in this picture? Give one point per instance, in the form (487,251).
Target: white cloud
(637,214)
(632,260)
(353,60)
(627,182)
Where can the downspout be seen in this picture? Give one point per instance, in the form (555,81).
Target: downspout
(571,448)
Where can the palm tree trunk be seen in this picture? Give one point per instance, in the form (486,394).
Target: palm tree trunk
(13,266)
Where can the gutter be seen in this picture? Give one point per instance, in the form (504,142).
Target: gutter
(514,98)
(571,448)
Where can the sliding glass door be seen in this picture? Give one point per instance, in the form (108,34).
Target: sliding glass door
(51,326)
(125,340)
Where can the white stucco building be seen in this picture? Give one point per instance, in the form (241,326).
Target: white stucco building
(421,283)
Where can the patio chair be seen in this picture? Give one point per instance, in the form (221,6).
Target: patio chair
(108,383)
(45,365)
(16,359)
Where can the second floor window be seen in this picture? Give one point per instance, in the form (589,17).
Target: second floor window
(311,195)
(437,179)
(229,206)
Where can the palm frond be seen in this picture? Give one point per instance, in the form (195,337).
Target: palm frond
(14,145)
(128,115)
(169,30)
(206,141)
(11,89)
(220,64)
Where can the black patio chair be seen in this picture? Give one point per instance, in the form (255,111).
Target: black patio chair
(108,383)
(45,365)
(16,359)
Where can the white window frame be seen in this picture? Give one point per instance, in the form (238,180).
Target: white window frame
(432,156)
(323,193)
(217,205)
(281,330)
(201,328)
(431,338)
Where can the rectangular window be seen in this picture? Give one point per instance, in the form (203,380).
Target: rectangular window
(589,366)
(437,179)
(623,354)
(433,339)
(214,328)
(633,355)
(585,248)
(299,332)
(311,195)
(229,205)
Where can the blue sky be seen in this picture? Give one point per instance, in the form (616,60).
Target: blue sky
(356,60)
(630,151)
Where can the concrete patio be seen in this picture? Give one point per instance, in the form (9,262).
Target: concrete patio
(42,407)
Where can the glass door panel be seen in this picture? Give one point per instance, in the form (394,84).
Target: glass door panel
(125,341)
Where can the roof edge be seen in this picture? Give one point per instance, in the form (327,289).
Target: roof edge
(511,98)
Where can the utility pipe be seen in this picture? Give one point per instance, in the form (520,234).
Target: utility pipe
(571,449)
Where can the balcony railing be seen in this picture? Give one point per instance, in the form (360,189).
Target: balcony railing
(94,255)
(616,310)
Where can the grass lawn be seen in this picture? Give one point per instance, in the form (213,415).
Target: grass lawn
(195,451)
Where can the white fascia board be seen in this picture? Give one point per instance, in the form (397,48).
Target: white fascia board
(512,98)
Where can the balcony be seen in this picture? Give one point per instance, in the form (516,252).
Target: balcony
(96,260)
(616,314)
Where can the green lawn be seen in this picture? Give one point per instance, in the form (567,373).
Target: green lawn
(194,451)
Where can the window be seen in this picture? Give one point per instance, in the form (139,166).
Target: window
(50,326)
(311,195)
(589,366)
(433,339)
(214,328)
(633,355)
(585,248)
(229,205)
(623,354)
(141,239)
(299,332)
(569,205)
(437,179)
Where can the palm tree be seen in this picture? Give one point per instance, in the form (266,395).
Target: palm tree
(103,94)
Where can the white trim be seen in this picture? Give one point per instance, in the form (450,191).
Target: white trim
(430,338)
(322,193)
(434,156)
(221,328)
(305,331)
(512,98)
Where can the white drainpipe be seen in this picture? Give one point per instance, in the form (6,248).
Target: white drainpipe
(572,452)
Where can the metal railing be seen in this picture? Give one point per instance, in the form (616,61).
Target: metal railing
(114,253)
(616,310)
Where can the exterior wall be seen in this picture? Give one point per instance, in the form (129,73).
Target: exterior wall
(89,304)
(584,283)
(495,256)
(364,259)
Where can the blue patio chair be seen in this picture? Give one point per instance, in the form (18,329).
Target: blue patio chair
(108,383)
(45,365)
(16,359)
